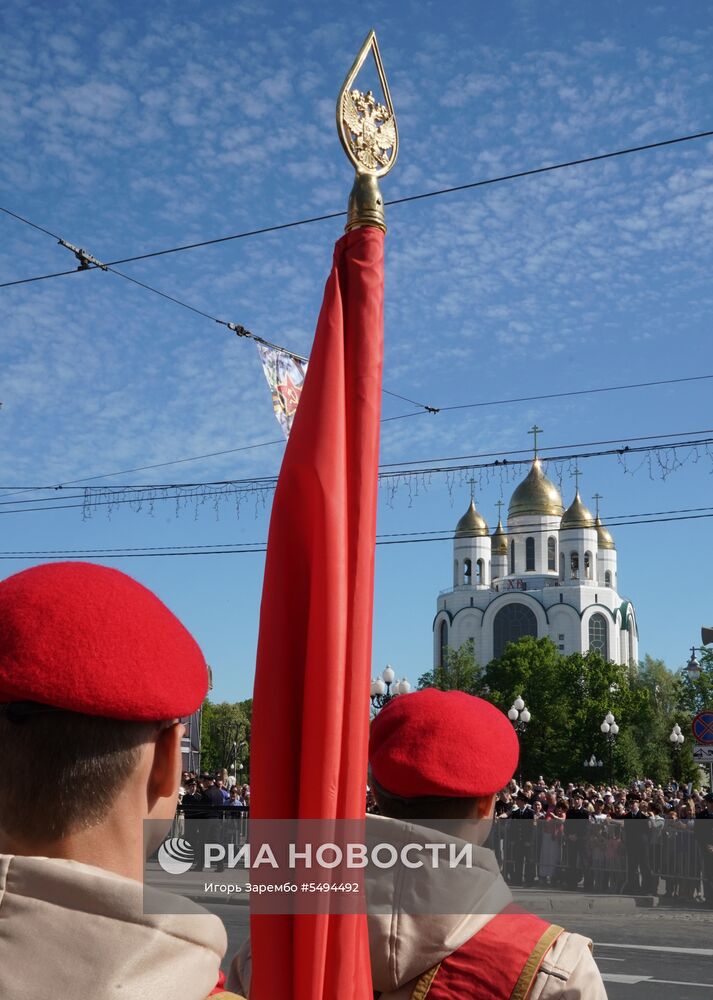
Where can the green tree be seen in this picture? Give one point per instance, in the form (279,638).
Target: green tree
(661,708)
(568,697)
(459,672)
(225,736)
(697,695)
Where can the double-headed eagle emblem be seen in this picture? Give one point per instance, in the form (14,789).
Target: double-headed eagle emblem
(367,128)
(370,130)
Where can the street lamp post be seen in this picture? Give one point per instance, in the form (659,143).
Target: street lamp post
(676,739)
(381,691)
(519,716)
(611,730)
(693,667)
(593,762)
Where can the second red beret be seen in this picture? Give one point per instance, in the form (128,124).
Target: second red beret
(442,743)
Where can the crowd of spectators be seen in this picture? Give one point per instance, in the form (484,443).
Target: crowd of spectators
(216,788)
(645,838)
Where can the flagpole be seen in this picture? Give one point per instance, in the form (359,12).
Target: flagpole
(309,745)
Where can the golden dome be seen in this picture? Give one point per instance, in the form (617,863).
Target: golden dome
(577,515)
(472,525)
(498,541)
(604,539)
(536,495)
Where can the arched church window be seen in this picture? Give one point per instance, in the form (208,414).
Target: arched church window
(561,565)
(607,579)
(529,555)
(480,571)
(511,623)
(512,557)
(588,565)
(551,554)
(443,643)
(598,635)
(467,572)
(574,565)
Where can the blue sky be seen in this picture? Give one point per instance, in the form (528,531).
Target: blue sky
(133,127)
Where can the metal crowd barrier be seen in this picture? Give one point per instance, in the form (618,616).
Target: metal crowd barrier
(616,856)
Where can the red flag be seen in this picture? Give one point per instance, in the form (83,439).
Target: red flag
(311,700)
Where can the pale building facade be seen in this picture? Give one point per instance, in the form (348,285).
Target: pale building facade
(551,572)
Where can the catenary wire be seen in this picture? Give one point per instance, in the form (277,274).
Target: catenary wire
(381,535)
(261,444)
(398,201)
(251,486)
(382,466)
(471,185)
(261,548)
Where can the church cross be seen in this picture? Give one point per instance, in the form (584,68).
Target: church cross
(500,504)
(472,490)
(577,473)
(596,498)
(535,430)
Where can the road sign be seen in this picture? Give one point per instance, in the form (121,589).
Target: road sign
(704,755)
(703,728)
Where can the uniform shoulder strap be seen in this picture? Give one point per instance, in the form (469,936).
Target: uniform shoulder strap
(500,962)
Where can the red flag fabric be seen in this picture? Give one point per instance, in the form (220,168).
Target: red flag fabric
(311,700)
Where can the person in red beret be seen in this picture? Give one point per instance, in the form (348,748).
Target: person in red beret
(438,759)
(95,675)
(450,932)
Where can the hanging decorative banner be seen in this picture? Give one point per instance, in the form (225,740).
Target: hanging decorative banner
(285,375)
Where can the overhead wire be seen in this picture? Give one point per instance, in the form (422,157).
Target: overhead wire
(614,520)
(90,263)
(222,488)
(248,548)
(439,192)
(383,465)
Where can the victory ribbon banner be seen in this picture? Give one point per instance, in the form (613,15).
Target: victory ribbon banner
(285,374)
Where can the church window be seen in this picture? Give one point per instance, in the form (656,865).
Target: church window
(607,579)
(456,579)
(467,572)
(551,554)
(443,643)
(598,639)
(480,572)
(512,557)
(574,565)
(561,567)
(588,565)
(529,555)
(511,623)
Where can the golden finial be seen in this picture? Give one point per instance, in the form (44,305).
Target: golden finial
(368,133)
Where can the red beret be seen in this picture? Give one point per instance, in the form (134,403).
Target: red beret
(443,743)
(90,639)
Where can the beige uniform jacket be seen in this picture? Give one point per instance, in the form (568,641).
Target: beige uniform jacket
(405,941)
(69,931)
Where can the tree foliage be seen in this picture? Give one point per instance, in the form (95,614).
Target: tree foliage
(225,737)
(568,698)
(459,672)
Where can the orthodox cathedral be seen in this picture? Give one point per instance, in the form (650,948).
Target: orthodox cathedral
(553,572)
